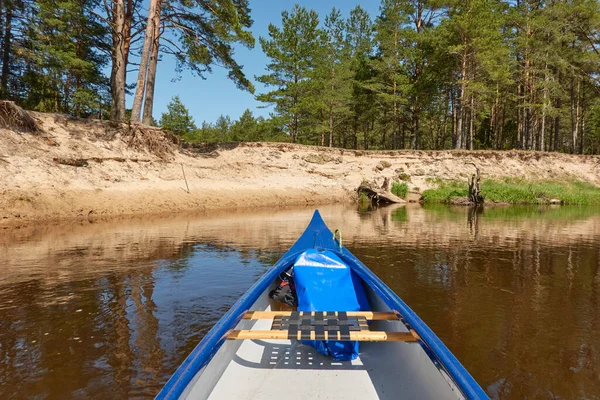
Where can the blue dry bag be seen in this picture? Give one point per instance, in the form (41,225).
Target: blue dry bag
(325,283)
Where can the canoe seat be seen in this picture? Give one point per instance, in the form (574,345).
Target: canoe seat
(323,325)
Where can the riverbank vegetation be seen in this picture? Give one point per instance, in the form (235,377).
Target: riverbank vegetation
(400,189)
(517,191)
(483,74)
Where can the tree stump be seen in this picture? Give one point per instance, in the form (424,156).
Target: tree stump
(475,196)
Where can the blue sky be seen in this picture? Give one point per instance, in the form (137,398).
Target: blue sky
(207,99)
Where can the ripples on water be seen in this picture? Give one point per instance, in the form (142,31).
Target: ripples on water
(109,310)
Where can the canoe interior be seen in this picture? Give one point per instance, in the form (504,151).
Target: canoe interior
(267,369)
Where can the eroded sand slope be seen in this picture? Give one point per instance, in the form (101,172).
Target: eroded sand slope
(119,177)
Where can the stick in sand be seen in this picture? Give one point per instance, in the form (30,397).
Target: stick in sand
(186,184)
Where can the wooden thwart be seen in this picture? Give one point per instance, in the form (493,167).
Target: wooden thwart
(369,315)
(361,336)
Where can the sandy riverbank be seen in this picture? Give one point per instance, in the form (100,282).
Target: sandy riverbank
(113,174)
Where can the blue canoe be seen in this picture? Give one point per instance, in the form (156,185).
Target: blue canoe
(399,357)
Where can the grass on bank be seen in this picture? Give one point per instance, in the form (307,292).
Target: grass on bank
(518,191)
(400,189)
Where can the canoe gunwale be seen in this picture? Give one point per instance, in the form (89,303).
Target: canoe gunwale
(432,345)
(214,339)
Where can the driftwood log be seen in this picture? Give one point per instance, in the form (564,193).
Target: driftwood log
(15,118)
(380,195)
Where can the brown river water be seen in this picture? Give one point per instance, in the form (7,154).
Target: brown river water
(110,309)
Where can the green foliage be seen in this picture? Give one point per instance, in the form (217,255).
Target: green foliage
(207,32)
(400,189)
(55,58)
(177,119)
(246,129)
(293,51)
(517,191)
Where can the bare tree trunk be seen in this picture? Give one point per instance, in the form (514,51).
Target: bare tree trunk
(501,131)
(384,131)
(519,115)
(556,125)
(417,127)
(471,122)
(355,133)
(544,106)
(140,87)
(454,121)
(4,94)
(577,114)
(120,45)
(295,117)
(151,81)
(574,114)
(445,122)
(331,126)
(582,142)
(460,142)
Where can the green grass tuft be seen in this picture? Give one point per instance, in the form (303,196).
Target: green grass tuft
(400,189)
(364,198)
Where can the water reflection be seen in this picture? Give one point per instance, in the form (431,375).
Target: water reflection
(109,310)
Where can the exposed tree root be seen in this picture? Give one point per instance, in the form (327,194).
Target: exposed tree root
(152,140)
(15,118)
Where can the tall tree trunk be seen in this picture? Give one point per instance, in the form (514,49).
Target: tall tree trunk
(355,133)
(417,127)
(519,101)
(152,66)
(384,132)
(574,113)
(544,106)
(444,122)
(331,126)
(582,142)
(295,112)
(557,125)
(120,45)
(140,87)
(4,93)
(454,120)
(472,122)
(460,142)
(500,139)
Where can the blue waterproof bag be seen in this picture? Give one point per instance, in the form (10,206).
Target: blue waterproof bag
(325,283)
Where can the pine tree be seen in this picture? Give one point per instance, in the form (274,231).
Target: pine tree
(293,51)
(391,81)
(362,104)
(177,119)
(333,74)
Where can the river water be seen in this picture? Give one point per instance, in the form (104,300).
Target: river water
(110,309)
